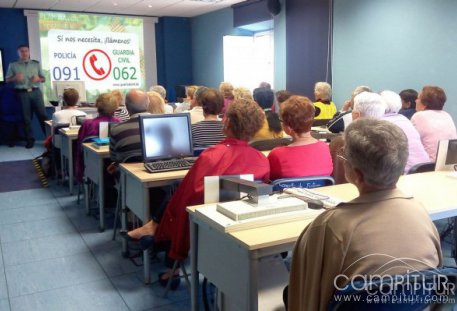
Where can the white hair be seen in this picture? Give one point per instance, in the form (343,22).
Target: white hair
(392,101)
(323,91)
(369,105)
(159,89)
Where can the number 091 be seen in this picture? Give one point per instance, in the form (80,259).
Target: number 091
(65,73)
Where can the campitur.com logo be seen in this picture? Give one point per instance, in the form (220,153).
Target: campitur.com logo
(425,286)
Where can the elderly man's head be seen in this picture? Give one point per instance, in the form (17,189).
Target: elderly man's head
(376,152)
(136,101)
(368,105)
(392,101)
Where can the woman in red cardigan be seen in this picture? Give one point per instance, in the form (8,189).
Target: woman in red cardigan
(232,156)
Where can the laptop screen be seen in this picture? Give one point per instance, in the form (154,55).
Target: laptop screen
(166,136)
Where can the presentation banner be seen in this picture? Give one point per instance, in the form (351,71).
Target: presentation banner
(103,60)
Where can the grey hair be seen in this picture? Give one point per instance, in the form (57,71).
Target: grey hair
(378,148)
(360,89)
(159,89)
(198,94)
(323,91)
(369,105)
(392,101)
(136,101)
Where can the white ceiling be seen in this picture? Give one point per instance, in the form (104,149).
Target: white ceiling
(181,8)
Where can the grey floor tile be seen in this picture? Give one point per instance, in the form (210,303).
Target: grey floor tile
(37,150)
(178,306)
(80,219)
(93,296)
(113,263)
(17,153)
(30,213)
(65,244)
(15,199)
(50,274)
(1,258)
(139,296)
(3,288)
(95,239)
(4,305)
(36,229)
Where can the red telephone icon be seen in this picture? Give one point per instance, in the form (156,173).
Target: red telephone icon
(100,71)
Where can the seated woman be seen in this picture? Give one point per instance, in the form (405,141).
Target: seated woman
(226,89)
(106,106)
(271,127)
(408,103)
(370,235)
(156,103)
(305,156)
(232,156)
(432,123)
(121,112)
(323,96)
(210,131)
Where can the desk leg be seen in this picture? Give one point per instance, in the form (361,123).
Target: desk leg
(253,284)
(70,165)
(123,214)
(194,284)
(146,261)
(86,195)
(101,195)
(62,167)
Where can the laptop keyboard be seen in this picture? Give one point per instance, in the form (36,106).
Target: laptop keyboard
(169,165)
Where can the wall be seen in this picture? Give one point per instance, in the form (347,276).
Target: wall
(307,23)
(208,31)
(280,81)
(174,59)
(395,45)
(14,32)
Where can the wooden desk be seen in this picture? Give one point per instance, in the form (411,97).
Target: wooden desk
(218,255)
(323,133)
(135,183)
(66,151)
(48,127)
(94,170)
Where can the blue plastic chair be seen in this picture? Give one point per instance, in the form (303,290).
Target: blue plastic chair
(302,182)
(424,288)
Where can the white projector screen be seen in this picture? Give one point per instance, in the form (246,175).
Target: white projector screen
(105,52)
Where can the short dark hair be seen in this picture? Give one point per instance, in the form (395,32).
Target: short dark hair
(264,97)
(211,101)
(283,95)
(409,96)
(433,97)
(70,97)
(23,46)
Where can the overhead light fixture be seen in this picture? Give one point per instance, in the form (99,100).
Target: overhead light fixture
(149,5)
(115,3)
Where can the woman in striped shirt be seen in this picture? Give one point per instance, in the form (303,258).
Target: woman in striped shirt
(209,131)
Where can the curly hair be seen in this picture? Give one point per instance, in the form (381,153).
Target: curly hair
(244,118)
(226,88)
(106,104)
(118,96)
(298,113)
(433,97)
(242,92)
(282,96)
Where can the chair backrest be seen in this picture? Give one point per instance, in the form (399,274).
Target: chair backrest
(422,168)
(418,289)
(268,144)
(336,146)
(302,182)
(59,126)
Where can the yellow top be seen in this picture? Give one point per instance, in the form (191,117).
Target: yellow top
(327,110)
(265,133)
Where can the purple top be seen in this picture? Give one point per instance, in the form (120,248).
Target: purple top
(417,153)
(90,127)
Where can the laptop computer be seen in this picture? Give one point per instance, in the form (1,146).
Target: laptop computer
(166,141)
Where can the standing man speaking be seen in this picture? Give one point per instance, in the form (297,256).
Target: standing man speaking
(27,75)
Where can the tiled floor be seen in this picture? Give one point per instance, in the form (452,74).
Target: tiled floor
(52,256)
